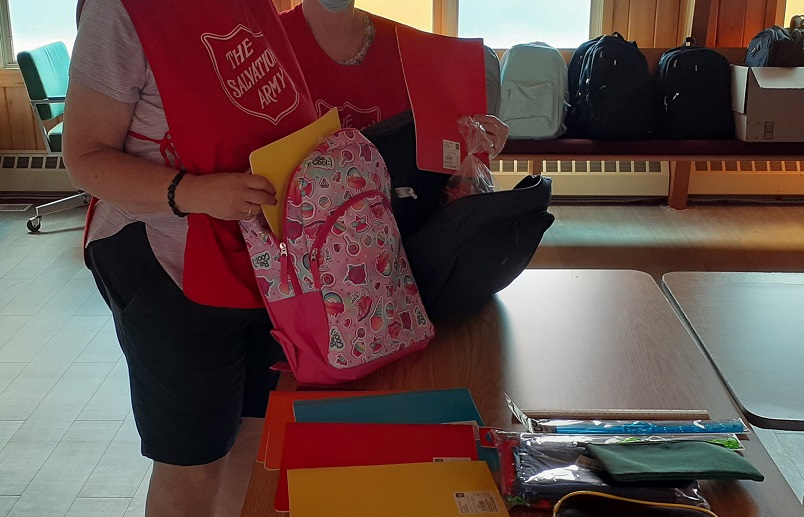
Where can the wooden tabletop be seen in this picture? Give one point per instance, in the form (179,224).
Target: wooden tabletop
(572,339)
(752,327)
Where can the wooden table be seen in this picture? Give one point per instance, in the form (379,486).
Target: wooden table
(752,327)
(572,339)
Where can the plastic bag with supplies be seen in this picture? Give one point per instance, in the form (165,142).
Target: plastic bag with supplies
(474,177)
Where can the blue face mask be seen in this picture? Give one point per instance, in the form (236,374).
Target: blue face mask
(335,6)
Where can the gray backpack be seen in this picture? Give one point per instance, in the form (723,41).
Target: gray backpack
(534,96)
(492,82)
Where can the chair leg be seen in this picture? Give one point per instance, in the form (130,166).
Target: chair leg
(74,201)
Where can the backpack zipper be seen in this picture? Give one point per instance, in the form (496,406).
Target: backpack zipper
(333,217)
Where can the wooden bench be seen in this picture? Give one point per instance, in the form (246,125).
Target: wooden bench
(680,153)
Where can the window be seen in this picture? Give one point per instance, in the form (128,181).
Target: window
(24,26)
(563,24)
(416,13)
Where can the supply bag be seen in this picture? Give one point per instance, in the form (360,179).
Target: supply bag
(464,252)
(538,470)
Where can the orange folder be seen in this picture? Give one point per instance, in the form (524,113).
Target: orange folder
(446,489)
(280,412)
(446,79)
(320,445)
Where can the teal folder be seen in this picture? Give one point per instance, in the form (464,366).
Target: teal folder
(412,407)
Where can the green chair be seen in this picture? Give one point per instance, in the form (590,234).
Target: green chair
(45,73)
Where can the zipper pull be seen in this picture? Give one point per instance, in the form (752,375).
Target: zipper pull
(284,284)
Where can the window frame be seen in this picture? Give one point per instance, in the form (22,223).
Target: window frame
(445,21)
(445,17)
(6,41)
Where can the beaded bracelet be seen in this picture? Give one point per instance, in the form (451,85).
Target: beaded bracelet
(171,193)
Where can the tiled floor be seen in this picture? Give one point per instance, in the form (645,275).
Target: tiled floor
(68,445)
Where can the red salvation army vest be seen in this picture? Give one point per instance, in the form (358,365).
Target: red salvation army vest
(230,84)
(364,94)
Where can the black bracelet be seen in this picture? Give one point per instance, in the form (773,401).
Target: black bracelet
(172,193)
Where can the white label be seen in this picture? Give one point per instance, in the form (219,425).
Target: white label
(470,503)
(451,157)
(449,459)
(590,463)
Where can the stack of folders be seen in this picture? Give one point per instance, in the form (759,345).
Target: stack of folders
(361,454)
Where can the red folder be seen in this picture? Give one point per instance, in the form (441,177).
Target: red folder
(280,412)
(317,445)
(446,79)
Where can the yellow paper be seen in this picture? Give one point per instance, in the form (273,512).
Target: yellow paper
(447,489)
(277,161)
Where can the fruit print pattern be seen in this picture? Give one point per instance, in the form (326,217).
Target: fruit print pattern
(341,241)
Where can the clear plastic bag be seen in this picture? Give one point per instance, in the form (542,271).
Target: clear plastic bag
(474,177)
(537,470)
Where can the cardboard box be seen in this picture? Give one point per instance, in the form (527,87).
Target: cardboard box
(767,103)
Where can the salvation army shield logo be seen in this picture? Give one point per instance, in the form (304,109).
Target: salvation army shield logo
(252,77)
(351,115)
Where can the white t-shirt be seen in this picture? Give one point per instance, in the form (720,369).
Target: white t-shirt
(108,57)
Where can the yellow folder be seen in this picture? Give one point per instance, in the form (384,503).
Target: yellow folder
(277,161)
(446,489)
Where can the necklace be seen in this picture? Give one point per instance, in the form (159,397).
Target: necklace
(368,37)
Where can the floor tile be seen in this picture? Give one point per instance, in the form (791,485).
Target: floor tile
(44,287)
(783,458)
(9,372)
(137,506)
(118,473)
(9,325)
(6,503)
(7,430)
(112,401)
(99,507)
(104,347)
(10,288)
(55,486)
(128,431)
(69,342)
(94,305)
(20,460)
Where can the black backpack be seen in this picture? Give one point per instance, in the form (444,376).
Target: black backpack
(693,85)
(575,64)
(614,97)
(776,46)
(464,252)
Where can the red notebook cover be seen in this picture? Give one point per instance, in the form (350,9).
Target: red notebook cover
(446,79)
(317,445)
(280,412)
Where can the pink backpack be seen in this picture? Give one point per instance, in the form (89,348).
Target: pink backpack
(339,288)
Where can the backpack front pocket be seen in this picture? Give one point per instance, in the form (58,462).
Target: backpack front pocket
(371,300)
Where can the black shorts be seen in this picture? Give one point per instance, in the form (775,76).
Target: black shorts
(194,370)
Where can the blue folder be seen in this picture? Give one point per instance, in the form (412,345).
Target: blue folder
(412,407)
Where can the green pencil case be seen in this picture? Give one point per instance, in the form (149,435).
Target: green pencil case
(672,461)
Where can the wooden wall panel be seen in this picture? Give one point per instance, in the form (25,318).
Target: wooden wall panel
(731,23)
(642,22)
(18,128)
(754,18)
(668,17)
(620,16)
(651,23)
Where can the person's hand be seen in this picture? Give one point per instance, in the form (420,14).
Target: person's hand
(229,196)
(497,131)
